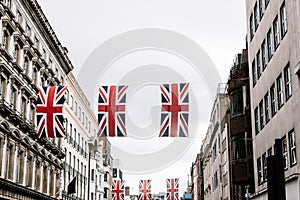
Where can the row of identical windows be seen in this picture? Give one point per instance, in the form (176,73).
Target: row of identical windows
(273,99)
(268,46)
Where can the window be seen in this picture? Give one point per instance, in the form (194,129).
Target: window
(261,114)
(267,3)
(44,54)
(269,44)
(279,91)
(256,20)
(75,107)
(283,20)
(93,175)
(256,120)
(273,100)
(2,86)
(267,112)
(276,32)
(292,145)
(261,9)
(13,98)
(28,31)
(253,72)
(26,64)
(72,101)
(236,101)
(33,75)
(251,26)
(79,114)
(19,17)
(259,171)
(287,82)
(258,64)
(115,174)
(5,40)
(264,163)
(36,43)
(284,153)
(23,108)
(263,55)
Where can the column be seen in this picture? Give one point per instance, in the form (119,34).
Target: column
(54,183)
(15,167)
(33,172)
(42,176)
(4,153)
(48,180)
(25,167)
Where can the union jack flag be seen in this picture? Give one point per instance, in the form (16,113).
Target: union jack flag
(111,111)
(118,190)
(174,110)
(145,190)
(49,117)
(172,189)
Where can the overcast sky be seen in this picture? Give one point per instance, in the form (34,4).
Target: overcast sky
(218,26)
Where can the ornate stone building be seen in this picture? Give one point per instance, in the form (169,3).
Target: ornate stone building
(30,56)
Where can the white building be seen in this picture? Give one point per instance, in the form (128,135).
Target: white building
(80,128)
(213,157)
(30,56)
(274,57)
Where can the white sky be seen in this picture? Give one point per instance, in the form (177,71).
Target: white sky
(217,26)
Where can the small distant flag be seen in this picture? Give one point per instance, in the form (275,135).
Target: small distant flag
(118,189)
(49,117)
(72,186)
(174,110)
(145,190)
(111,111)
(173,189)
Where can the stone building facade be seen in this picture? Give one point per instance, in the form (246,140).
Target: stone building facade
(30,56)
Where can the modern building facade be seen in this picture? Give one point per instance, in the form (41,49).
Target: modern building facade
(273,53)
(30,56)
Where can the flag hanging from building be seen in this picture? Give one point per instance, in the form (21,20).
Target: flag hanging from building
(174,110)
(111,111)
(49,117)
(173,189)
(118,189)
(72,186)
(145,190)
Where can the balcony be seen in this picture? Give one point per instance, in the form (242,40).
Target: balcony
(5,108)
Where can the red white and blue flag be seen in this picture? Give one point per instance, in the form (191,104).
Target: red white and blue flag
(145,190)
(49,117)
(173,189)
(174,110)
(118,189)
(111,111)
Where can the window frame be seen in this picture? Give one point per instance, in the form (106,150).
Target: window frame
(270,44)
(276,33)
(292,148)
(287,82)
(283,20)
(280,93)
(267,107)
(273,100)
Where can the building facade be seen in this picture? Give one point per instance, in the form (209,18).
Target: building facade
(30,56)
(80,128)
(213,154)
(274,59)
(107,167)
(239,128)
